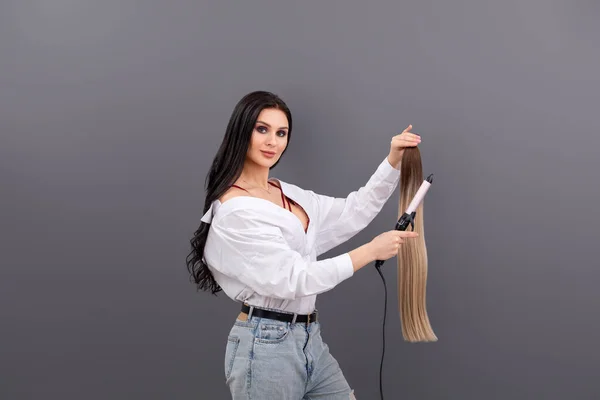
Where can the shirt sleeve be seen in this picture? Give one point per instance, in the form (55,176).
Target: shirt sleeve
(258,255)
(342,218)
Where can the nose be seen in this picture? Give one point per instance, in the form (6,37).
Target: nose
(272,139)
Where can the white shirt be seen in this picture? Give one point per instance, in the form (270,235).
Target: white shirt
(260,254)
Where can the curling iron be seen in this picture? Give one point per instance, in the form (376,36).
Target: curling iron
(408,218)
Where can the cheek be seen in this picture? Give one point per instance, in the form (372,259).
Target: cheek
(254,140)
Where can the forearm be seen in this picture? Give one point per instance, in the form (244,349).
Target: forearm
(361,256)
(342,218)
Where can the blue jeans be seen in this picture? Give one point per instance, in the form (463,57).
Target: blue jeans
(267,359)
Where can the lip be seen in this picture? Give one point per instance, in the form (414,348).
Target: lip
(268,154)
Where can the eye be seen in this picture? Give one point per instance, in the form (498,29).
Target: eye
(261,129)
(283,133)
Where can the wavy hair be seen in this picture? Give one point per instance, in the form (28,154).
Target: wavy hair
(226,168)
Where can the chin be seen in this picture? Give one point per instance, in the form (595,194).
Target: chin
(265,162)
(269,163)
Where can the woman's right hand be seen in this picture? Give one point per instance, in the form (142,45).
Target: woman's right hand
(386,245)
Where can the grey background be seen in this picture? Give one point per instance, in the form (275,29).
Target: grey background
(111,112)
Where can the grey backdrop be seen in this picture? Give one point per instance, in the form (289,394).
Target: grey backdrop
(111,112)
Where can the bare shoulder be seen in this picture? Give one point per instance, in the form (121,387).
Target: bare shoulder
(231,193)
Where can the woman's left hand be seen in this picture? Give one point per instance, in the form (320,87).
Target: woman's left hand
(399,143)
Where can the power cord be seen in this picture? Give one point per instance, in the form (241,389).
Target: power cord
(378,266)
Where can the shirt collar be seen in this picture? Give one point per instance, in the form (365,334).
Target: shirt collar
(208,216)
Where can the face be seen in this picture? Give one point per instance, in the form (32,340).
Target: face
(269,137)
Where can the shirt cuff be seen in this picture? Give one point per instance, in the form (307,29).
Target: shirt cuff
(387,171)
(344,266)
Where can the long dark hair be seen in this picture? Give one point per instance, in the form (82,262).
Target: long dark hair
(226,169)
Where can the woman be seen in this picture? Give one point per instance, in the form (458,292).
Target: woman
(258,242)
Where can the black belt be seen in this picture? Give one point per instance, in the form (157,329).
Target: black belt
(280,316)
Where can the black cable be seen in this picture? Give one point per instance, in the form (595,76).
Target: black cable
(378,266)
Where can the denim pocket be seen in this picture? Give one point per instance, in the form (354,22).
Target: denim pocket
(230,352)
(271,332)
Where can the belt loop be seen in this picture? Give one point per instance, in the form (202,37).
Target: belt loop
(250,312)
(294,319)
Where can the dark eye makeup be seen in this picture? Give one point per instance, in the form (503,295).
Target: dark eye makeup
(264,129)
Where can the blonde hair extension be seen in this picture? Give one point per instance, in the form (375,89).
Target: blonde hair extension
(412,257)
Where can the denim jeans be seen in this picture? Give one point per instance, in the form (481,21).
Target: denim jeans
(266,359)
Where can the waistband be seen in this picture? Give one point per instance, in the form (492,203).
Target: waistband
(278,315)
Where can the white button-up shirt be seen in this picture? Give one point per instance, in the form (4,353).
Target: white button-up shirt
(260,254)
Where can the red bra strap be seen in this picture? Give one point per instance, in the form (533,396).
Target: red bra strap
(239,187)
(283,197)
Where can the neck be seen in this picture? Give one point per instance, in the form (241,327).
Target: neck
(255,175)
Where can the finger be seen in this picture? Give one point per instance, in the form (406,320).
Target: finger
(407,234)
(406,142)
(401,141)
(408,128)
(408,136)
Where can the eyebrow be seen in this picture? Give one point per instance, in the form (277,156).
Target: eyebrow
(262,122)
